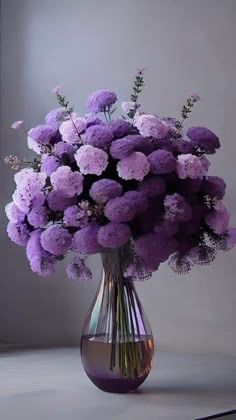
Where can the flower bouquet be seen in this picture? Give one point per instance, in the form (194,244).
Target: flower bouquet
(136,190)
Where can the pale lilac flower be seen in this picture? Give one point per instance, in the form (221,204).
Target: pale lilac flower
(17,125)
(13,213)
(190,166)
(134,166)
(70,130)
(29,186)
(35,146)
(101,100)
(218,219)
(67,182)
(91,160)
(150,126)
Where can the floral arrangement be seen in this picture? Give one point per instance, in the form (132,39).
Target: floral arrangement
(99,183)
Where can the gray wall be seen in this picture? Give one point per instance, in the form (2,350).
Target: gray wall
(187,45)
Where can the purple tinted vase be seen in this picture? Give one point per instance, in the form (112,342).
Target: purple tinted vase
(117,343)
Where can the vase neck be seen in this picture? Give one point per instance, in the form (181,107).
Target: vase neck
(115,263)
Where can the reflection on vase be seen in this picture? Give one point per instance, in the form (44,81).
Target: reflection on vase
(117,344)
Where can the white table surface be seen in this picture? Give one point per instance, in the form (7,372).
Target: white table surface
(51,384)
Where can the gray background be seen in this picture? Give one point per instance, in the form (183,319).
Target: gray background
(187,45)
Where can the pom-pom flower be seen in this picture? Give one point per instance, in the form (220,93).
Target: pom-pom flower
(91,160)
(75,216)
(218,219)
(98,136)
(13,213)
(42,134)
(161,162)
(190,166)
(85,240)
(65,151)
(103,190)
(65,181)
(150,126)
(120,210)
(119,127)
(138,199)
(101,100)
(204,138)
(58,202)
(70,130)
(49,164)
(177,209)
(134,166)
(152,186)
(55,117)
(77,270)
(18,233)
(56,240)
(214,186)
(113,235)
(38,216)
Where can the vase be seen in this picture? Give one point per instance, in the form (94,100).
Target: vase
(117,344)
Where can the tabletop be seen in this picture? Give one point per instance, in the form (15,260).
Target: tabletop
(51,384)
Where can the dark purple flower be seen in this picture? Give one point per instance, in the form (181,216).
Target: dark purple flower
(138,199)
(152,186)
(177,209)
(204,138)
(184,145)
(120,210)
(161,162)
(98,136)
(119,127)
(214,186)
(104,189)
(85,240)
(65,150)
(132,143)
(113,235)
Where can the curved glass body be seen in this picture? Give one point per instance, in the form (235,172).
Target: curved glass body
(117,344)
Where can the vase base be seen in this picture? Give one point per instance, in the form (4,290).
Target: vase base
(117,386)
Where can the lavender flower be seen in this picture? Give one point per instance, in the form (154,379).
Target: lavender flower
(55,117)
(104,189)
(58,202)
(75,216)
(77,270)
(138,199)
(38,216)
(29,186)
(18,233)
(113,235)
(91,160)
(161,162)
(65,181)
(42,134)
(101,100)
(190,166)
(119,127)
(204,138)
(98,136)
(49,164)
(120,210)
(85,240)
(134,166)
(218,219)
(65,151)
(56,240)
(152,186)
(177,209)
(70,130)
(13,213)
(150,126)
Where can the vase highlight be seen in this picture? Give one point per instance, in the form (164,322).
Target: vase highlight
(117,344)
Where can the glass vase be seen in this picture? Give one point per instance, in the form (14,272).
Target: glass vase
(117,343)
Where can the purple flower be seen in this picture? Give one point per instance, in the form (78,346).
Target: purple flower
(119,127)
(67,182)
(77,270)
(177,209)
(183,145)
(190,166)
(214,186)
(17,125)
(55,117)
(13,213)
(132,143)
(43,265)
(75,216)
(138,199)
(166,227)
(57,90)
(98,136)
(56,240)
(49,164)
(58,202)
(91,160)
(218,219)
(101,100)
(18,233)
(65,151)
(35,146)
(38,216)
(29,186)
(134,166)
(34,247)
(42,134)
(161,162)
(152,186)
(120,210)
(70,130)
(104,189)
(92,119)
(128,107)
(204,138)
(113,235)
(85,240)
(150,126)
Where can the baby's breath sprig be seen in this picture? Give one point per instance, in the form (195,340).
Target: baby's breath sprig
(17,163)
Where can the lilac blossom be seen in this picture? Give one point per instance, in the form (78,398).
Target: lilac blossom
(58,202)
(67,182)
(101,100)
(65,151)
(98,136)
(13,213)
(91,160)
(134,166)
(56,240)
(161,162)
(104,189)
(38,216)
(150,126)
(128,107)
(214,186)
(190,166)
(42,134)
(204,138)
(119,127)
(49,164)
(18,233)
(120,210)
(55,117)
(71,129)
(85,240)
(17,125)
(138,199)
